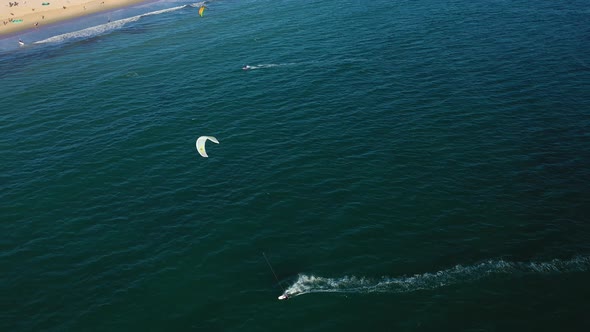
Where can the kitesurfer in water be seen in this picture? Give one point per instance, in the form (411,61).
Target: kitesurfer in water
(246,67)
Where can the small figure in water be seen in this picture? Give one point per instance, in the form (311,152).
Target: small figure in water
(246,67)
(21,43)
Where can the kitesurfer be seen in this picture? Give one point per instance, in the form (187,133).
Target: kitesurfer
(21,43)
(246,67)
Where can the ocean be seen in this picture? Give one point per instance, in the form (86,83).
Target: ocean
(403,165)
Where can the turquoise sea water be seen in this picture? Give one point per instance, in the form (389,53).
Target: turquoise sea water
(404,165)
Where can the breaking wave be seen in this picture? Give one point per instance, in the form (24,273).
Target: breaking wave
(110,26)
(307,284)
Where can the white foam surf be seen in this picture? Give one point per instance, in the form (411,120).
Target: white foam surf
(307,284)
(110,26)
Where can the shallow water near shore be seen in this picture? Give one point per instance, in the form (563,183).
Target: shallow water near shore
(410,165)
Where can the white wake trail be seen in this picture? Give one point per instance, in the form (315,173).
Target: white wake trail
(270,65)
(307,284)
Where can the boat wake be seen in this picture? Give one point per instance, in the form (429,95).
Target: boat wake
(270,65)
(307,284)
(315,63)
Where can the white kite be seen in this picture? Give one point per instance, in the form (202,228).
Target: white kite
(201,144)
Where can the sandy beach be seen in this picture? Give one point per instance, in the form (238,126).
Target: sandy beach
(20,15)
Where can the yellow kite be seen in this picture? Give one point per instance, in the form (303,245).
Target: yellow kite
(201,10)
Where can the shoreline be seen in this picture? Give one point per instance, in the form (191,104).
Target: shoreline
(24,16)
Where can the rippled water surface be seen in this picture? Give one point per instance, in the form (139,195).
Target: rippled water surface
(404,165)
